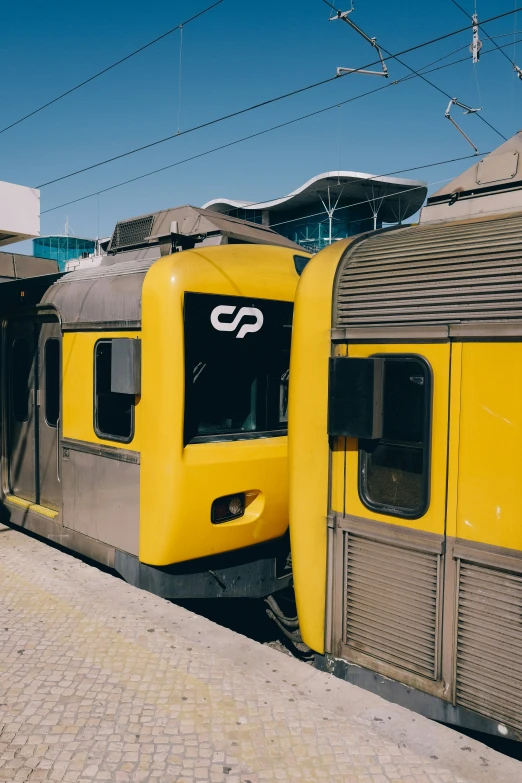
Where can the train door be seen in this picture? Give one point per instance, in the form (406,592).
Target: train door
(33,410)
(21,371)
(49,373)
(389,495)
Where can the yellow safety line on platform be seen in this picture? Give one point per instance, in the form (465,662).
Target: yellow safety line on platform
(16,501)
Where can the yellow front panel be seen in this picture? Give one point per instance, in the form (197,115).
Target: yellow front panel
(178,482)
(78,388)
(256,465)
(433,521)
(309,448)
(489,506)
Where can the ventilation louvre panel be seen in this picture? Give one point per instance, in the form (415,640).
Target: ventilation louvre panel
(131,232)
(489,643)
(431,275)
(391,604)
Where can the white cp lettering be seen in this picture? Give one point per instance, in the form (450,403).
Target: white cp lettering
(229,326)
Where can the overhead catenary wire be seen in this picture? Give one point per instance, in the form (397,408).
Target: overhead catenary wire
(409,77)
(408,189)
(111,67)
(259,105)
(421,76)
(515,3)
(514,30)
(179,74)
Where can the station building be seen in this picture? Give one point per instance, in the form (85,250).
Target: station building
(331,206)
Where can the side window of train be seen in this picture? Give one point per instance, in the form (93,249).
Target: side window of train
(394,469)
(113,411)
(21,361)
(52,381)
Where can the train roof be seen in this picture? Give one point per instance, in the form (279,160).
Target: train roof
(435,279)
(190,226)
(491,186)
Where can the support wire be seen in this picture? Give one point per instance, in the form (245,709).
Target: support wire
(179,76)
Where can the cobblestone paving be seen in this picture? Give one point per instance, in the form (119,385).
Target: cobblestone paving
(99,683)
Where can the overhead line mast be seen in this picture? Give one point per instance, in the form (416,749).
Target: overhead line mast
(343,16)
(421,76)
(467,110)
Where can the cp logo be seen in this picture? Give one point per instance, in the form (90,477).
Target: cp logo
(229,326)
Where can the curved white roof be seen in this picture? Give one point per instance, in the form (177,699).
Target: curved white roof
(396,199)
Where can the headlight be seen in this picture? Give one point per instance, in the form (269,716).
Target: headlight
(228,507)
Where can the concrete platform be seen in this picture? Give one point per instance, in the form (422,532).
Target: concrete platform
(100,681)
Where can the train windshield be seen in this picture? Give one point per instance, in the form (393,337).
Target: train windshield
(237,354)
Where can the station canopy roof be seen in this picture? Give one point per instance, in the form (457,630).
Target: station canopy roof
(395,199)
(19,213)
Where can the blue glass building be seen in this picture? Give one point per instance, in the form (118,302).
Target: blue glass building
(62,248)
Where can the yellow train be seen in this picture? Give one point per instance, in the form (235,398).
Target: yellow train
(405,457)
(144,417)
(144,406)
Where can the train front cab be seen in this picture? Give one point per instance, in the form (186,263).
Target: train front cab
(145,417)
(405,464)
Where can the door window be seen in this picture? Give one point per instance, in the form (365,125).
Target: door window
(52,381)
(21,365)
(394,470)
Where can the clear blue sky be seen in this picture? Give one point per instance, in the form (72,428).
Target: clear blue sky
(237,54)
